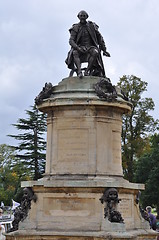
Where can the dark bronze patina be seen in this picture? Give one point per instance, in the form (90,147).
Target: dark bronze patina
(21,212)
(45,93)
(144,213)
(105,90)
(110,198)
(86,46)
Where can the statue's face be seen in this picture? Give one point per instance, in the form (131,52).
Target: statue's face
(25,193)
(82,16)
(113,195)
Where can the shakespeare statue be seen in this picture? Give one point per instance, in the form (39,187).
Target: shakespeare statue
(86,46)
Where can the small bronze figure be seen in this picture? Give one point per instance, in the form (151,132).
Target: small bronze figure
(21,212)
(86,46)
(105,90)
(45,93)
(110,198)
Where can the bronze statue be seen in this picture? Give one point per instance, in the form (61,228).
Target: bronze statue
(86,46)
(21,212)
(110,198)
(105,90)
(45,93)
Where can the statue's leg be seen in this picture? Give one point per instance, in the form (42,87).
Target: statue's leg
(77,63)
(92,58)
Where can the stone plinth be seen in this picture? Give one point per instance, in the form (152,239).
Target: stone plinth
(84,132)
(74,205)
(83,159)
(72,209)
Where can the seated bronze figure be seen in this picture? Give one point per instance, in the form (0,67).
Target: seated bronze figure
(86,46)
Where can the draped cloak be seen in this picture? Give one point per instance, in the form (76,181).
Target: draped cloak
(97,40)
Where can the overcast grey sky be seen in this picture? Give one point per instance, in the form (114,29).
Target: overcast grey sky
(34,44)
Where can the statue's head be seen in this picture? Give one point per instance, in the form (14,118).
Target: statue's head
(82,15)
(112,194)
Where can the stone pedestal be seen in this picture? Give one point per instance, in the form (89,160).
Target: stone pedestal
(83,159)
(84,133)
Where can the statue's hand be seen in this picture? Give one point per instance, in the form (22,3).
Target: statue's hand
(82,49)
(107,54)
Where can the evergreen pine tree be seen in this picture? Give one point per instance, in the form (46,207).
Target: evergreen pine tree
(32,144)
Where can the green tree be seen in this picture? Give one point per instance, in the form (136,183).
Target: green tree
(137,124)
(11,174)
(32,145)
(147,172)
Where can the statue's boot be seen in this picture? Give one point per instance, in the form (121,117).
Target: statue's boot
(79,74)
(86,73)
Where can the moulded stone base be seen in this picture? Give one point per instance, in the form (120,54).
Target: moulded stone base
(43,235)
(74,205)
(71,209)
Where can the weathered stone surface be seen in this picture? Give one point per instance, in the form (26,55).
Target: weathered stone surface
(49,235)
(84,132)
(78,208)
(83,159)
